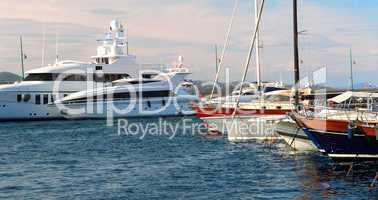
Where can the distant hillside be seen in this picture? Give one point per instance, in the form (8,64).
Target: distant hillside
(6,77)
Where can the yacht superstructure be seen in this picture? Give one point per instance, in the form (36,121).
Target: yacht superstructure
(28,99)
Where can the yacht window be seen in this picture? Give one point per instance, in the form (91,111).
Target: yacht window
(249,93)
(98,67)
(149,75)
(124,76)
(149,104)
(27,97)
(45,99)
(109,78)
(105,60)
(52,98)
(271,89)
(37,99)
(126,95)
(150,94)
(121,95)
(114,77)
(19,98)
(99,77)
(142,81)
(75,77)
(163,102)
(39,77)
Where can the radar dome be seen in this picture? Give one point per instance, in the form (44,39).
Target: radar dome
(116,25)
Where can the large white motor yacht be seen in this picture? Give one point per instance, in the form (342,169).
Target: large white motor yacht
(159,96)
(28,99)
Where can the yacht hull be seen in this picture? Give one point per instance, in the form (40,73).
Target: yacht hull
(106,110)
(341,146)
(245,128)
(294,136)
(25,112)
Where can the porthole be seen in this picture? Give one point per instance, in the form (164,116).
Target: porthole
(45,99)
(26,97)
(38,99)
(19,97)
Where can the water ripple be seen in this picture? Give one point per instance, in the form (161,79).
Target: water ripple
(87,160)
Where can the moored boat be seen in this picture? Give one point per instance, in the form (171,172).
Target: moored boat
(341,140)
(28,99)
(294,136)
(252,120)
(159,96)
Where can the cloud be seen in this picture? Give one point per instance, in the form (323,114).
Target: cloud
(161,30)
(104,11)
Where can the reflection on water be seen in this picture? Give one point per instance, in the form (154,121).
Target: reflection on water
(320,177)
(86,160)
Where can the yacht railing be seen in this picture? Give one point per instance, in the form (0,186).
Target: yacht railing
(335,113)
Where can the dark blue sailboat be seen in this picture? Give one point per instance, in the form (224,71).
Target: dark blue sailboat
(347,142)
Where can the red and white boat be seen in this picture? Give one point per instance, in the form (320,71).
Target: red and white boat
(252,120)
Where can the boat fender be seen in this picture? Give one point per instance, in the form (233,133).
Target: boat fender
(351,128)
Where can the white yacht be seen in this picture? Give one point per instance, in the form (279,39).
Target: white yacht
(28,99)
(159,96)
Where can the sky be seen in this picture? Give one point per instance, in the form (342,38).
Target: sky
(160,31)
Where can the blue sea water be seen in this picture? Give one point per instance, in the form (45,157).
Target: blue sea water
(88,160)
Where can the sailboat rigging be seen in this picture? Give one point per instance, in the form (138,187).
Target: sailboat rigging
(225,45)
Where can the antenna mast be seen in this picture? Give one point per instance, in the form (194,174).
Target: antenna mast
(127,42)
(43,45)
(56,44)
(22,59)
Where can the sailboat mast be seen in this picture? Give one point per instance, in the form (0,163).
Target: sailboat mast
(248,61)
(225,45)
(296,53)
(258,67)
(22,59)
(216,58)
(351,69)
